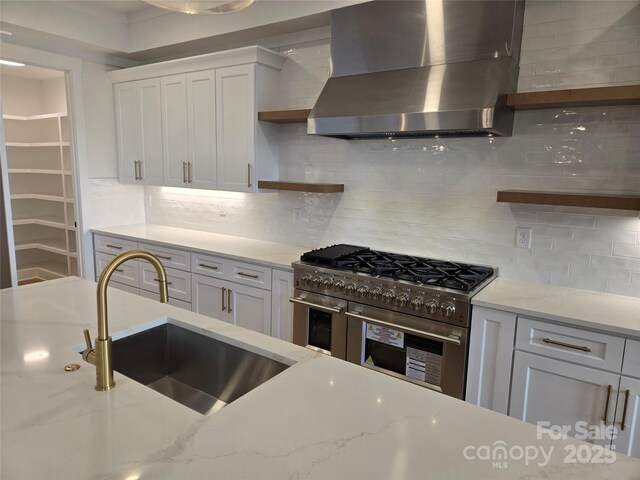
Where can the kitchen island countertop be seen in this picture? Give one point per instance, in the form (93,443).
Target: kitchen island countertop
(321,418)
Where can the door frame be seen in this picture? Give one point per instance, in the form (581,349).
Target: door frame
(72,68)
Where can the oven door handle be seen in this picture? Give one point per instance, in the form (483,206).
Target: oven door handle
(301,301)
(454,340)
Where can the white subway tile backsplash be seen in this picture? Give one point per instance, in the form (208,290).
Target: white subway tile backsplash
(629,289)
(571,245)
(622,250)
(437,197)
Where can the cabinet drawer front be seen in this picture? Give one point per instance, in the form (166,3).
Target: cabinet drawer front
(113,245)
(252,275)
(179,282)
(208,265)
(631,362)
(169,257)
(126,273)
(172,301)
(570,344)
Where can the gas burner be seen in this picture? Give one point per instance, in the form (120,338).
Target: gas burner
(420,271)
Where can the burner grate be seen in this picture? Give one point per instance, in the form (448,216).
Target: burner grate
(425,271)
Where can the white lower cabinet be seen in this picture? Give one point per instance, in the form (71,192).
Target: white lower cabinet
(490,354)
(627,419)
(557,375)
(281,307)
(240,305)
(561,393)
(249,295)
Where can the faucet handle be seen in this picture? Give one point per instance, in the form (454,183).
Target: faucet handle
(89,353)
(87,339)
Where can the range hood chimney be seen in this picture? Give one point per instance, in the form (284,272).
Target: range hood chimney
(421,68)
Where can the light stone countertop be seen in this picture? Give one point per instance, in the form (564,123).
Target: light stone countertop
(277,255)
(603,311)
(321,418)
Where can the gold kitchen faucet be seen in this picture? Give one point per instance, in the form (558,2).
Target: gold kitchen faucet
(101,356)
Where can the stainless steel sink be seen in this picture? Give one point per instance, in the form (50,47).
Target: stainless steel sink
(200,372)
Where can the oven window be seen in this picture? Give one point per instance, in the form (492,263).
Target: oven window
(419,358)
(320,329)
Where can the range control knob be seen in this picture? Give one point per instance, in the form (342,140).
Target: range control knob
(431,306)
(362,292)
(327,283)
(338,286)
(350,289)
(416,304)
(375,294)
(388,296)
(447,309)
(306,280)
(403,299)
(317,282)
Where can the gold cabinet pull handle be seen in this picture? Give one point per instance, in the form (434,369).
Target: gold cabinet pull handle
(229,292)
(248,275)
(163,257)
(119,270)
(223,307)
(158,280)
(204,265)
(249,175)
(114,246)
(624,409)
(136,169)
(606,405)
(568,345)
(184,172)
(189,172)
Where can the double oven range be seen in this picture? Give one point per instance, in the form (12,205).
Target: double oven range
(402,315)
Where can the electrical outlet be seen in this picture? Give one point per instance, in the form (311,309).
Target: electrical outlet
(523,237)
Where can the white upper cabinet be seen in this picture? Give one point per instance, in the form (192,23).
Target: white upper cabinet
(193,122)
(235,94)
(201,107)
(175,130)
(139,130)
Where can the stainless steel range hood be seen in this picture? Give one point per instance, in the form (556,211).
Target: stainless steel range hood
(421,68)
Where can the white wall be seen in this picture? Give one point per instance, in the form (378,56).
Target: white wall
(21,96)
(580,44)
(437,197)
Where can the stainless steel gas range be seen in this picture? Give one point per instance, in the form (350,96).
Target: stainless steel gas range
(402,315)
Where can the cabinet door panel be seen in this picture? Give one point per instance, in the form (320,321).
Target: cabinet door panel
(208,297)
(250,308)
(628,439)
(201,104)
(490,356)
(151,119)
(631,361)
(561,393)
(129,130)
(235,99)
(281,307)
(175,130)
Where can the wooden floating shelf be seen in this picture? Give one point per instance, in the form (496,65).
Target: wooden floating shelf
(285,116)
(577,97)
(301,186)
(592,200)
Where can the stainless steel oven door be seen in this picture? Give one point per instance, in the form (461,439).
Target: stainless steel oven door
(425,352)
(319,323)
